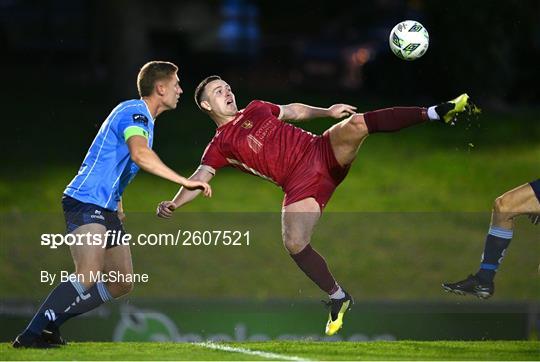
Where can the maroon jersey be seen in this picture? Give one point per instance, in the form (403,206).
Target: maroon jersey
(257,142)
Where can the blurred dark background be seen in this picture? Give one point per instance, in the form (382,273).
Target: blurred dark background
(490,48)
(69,62)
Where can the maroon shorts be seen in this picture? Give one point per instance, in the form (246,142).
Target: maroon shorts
(317,175)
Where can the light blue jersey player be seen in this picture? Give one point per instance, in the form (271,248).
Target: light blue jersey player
(108,168)
(92,204)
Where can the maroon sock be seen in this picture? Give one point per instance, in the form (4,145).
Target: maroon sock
(315,267)
(394,119)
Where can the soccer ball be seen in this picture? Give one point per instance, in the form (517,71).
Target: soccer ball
(409,40)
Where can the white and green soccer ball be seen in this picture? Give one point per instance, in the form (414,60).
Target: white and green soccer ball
(409,40)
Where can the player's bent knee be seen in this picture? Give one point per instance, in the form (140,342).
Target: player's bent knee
(358,123)
(87,264)
(119,289)
(500,205)
(294,246)
(87,275)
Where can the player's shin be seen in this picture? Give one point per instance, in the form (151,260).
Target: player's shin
(315,267)
(497,242)
(395,118)
(88,300)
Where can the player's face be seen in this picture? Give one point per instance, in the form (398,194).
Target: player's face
(221,98)
(172,92)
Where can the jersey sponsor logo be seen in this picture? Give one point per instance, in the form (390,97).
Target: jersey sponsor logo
(238,119)
(267,128)
(97,215)
(247,124)
(254,144)
(140,118)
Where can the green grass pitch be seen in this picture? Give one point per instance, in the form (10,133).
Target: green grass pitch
(288,351)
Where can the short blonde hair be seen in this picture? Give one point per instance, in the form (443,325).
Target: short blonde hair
(152,72)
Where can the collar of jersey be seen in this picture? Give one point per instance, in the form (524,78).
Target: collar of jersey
(148,110)
(232,121)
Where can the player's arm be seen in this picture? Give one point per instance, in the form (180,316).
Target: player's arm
(149,161)
(165,209)
(300,112)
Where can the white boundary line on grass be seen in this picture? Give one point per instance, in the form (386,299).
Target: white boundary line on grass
(226,348)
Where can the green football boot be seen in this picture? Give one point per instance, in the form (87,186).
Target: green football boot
(450,111)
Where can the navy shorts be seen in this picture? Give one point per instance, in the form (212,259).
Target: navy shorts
(78,213)
(536,188)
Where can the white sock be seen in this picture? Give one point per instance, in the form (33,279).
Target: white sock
(338,294)
(432,115)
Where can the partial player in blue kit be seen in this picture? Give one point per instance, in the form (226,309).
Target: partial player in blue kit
(523,200)
(92,203)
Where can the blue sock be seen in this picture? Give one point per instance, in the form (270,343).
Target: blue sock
(56,302)
(497,241)
(85,301)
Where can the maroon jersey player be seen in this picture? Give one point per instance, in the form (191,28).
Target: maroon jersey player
(258,140)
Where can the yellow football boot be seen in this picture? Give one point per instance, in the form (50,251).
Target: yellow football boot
(338,307)
(461,105)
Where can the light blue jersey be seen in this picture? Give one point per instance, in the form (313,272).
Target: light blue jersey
(107,168)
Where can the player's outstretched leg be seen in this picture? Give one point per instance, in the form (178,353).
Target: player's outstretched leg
(396,118)
(522,200)
(347,136)
(298,222)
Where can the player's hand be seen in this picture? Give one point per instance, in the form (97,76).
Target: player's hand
(198,185)
(535,218)
(341,110)
(165,209)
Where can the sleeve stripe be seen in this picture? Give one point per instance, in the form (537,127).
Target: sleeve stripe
(207,168)
(135,131)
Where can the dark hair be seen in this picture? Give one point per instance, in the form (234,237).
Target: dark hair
(152,72)
(200,88)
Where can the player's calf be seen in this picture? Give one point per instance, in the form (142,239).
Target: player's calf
(394,119)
